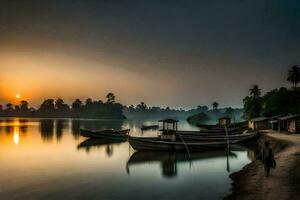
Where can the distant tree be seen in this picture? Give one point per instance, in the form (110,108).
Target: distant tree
(24,106)
(202,108)
(61,106)
(294,79)
(215,105)
(77,105)
(17,109)
(131,108)
(229,112)
(255,91)
(253,103)
(9,107)
(198,118)
(294,75)
(278,101)
(88,102)
(110,98)
(47,106)
(59,103)
(141,106)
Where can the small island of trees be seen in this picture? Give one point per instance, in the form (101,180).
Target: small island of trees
(51,108)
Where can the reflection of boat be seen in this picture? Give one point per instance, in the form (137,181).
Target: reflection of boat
(151,127)
(187,142)
(157,156)
(120,135)
(169,160)
(96,142)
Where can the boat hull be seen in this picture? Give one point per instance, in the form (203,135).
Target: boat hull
(191,144)
(121,135)
(152,144)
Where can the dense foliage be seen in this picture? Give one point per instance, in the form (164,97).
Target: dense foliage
(51,108)
(212,116)
(275,102)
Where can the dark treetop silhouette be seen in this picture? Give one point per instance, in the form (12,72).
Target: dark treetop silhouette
(275,102)
(51,108)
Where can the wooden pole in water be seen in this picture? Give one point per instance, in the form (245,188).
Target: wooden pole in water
(187,149)
(227,151)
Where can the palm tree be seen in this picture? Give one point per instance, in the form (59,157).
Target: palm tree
(215,105)
(294,75)
(255,91)
(294,79)
(110,98)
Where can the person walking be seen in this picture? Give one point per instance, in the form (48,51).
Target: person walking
(268,158)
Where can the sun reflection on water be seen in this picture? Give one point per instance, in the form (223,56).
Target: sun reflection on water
(16,136)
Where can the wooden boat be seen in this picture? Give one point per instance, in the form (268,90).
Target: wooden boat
(150,127)
(192,143)
(210,132)
(236,137)
(235,130)
(120,135)
(157,144)
(206,127)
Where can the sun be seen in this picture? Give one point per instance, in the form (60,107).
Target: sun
(18,96)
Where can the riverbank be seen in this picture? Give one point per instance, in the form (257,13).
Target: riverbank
(251,183)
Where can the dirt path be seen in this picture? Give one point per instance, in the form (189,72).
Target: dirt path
(251,183)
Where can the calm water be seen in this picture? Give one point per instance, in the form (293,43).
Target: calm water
(47,159)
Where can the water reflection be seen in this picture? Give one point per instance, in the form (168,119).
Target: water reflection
(51,129)
(14,127)
(47,129)
(169,161)
(89,144)
(96,167)
(75,126)
(16,135)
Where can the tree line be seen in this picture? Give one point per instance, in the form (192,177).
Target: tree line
(275,102)
(201,113)
(51,108)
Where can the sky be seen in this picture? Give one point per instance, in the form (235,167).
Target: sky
(167,53)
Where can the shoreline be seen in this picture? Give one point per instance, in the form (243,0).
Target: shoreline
(251,183)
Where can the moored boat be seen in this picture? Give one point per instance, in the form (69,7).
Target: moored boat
(190,144)
(235,137)
(150,127)
(157,144)
(106,134)
(211,132)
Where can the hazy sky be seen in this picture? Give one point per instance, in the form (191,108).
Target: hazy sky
(167,52)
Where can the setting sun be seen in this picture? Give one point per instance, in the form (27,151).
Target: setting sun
(18,96)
